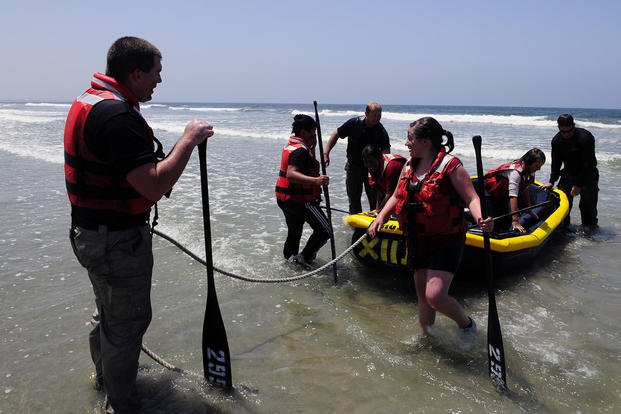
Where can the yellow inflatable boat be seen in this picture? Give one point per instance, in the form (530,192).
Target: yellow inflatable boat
(509,249)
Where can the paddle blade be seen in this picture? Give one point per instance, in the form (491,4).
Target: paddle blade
(216,355)
(495,348)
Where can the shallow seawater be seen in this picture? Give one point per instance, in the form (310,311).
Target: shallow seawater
(304,346)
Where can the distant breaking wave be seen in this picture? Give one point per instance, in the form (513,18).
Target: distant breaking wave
(39,117)
(178,128)
(54,105)
(517,120)
(204,109)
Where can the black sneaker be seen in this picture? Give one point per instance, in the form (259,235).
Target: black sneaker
(98,382)
(107,406)
(300,261)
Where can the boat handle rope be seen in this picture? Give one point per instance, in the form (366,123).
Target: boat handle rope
(174,368)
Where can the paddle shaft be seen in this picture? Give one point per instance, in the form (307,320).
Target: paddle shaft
(513,212)
(335,209)
(495,348)
(216,355)
(325,190)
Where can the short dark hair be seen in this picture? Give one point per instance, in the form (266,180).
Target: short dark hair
(128,54)
(565,120)
(301,121)
(372,106)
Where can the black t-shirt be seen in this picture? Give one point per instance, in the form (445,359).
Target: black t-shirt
(302,160)
(359,136)
(577,154)
(119,136)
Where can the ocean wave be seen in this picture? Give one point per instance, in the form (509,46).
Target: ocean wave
(273,135)
(53,154)
(52,104)
(179,127)
(204,109)
(328,112)
(539,121)
(30,117)
(152,105)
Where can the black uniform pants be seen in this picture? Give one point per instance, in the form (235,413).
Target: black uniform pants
(588,197)
(296,214)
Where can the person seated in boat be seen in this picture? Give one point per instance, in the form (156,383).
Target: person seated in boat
(433,189)
(384,171)
(507,189)
(298,192)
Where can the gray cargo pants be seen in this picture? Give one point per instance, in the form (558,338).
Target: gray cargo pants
(119,265)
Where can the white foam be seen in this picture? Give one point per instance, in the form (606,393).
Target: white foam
(37,152)
(179,126)
(52,104)
(30,117)
(203,109)
(516,120)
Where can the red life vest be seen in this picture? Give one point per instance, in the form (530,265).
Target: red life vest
(437,206)
(498,184)
(285,189)
(381,185)
(90,182)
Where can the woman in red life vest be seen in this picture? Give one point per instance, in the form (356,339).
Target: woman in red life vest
(384,171)
(298,192)
(429,200)
(507,186)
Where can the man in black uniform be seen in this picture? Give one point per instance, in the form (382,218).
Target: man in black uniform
(360,131)
(574,149)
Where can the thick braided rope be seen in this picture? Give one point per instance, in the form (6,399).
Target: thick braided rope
(250,279)
(170,366)
(166,364)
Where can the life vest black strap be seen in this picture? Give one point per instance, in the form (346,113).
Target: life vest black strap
(101,193)
(294,191)
(89,166)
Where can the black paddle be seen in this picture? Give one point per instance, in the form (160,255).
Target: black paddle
(495,349)
(216,356)
(325,190)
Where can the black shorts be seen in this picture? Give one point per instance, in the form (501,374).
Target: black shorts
(442,252)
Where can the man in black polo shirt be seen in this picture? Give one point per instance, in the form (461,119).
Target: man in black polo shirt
(360,131)
(114,174)
(574,149)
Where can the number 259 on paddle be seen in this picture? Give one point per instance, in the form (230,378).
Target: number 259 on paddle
(495,368)
(216,370)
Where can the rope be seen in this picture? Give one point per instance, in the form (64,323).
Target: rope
(166,364)
(170,366)
(250,279)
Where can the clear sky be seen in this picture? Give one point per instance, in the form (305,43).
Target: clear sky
(434,52)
